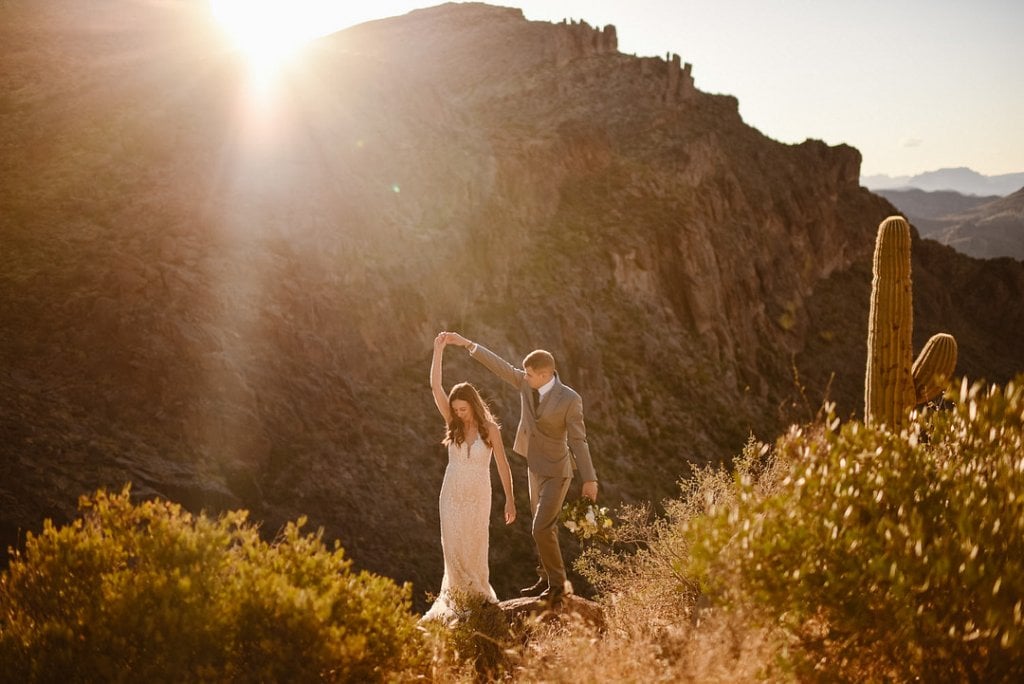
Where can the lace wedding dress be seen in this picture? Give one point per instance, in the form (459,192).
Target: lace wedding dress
(465,505)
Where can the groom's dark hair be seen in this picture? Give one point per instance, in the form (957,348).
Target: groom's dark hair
(538,360)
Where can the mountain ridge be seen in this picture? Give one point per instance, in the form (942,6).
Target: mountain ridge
(959,179)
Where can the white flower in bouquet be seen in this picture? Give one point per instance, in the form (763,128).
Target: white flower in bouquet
(586,519)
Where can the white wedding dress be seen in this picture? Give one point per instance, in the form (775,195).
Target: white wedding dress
(465,506)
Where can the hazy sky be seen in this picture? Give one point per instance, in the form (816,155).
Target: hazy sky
(915,85)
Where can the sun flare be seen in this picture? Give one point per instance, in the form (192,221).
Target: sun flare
(268,32)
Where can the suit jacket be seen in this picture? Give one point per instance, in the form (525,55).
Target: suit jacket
(554,438)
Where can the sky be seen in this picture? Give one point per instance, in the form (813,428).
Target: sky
(915,85)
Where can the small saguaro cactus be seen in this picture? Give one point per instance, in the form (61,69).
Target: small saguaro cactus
(934,367)
(894,383)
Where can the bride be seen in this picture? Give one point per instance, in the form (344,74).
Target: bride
(465,502)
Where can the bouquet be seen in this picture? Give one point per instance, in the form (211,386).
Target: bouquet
(586,519)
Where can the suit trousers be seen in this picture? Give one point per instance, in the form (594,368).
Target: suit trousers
(547,494)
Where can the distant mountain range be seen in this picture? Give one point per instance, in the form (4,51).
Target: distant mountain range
(984,227)
(961,179)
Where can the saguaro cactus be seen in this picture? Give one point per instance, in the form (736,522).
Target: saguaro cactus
(893,385)
(934,367)
(888,383)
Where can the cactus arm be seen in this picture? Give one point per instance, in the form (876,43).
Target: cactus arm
(934,367)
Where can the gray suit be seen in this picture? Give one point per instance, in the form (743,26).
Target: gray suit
(553,440)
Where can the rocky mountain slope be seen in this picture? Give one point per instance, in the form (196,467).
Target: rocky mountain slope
(983,227)
(993,230)
(922,207)
(227,296)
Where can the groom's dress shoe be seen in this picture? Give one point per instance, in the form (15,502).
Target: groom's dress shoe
(553,598)
(535,589)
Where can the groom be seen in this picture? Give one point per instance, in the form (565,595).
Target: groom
(553,439)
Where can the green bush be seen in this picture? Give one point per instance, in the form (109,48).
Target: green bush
(148,592)
(881,555)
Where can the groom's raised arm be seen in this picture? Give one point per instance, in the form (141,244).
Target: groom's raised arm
(491,361)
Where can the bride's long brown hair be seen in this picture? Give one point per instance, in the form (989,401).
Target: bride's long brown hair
(481,414)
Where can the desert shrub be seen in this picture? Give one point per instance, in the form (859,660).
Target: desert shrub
(475,644)
(148,592)
(648,567)
(881,555)
(659,624)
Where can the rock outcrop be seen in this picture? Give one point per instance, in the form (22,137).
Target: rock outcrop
(572,607)
(579,39)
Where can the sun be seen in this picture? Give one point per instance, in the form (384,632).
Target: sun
(268,32)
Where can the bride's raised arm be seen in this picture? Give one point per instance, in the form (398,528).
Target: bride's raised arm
(440,398)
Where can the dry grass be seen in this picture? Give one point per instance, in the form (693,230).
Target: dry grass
(646,647)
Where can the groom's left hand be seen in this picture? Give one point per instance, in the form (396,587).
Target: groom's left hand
(590,490)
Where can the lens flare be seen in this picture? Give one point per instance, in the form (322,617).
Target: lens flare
(268,32)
